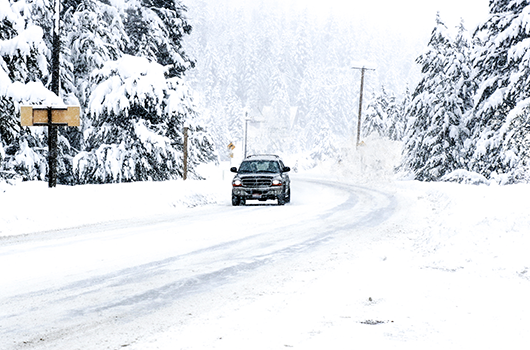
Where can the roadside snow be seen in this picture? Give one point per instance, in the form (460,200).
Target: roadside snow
(33,207)
(452,273)
(450,270)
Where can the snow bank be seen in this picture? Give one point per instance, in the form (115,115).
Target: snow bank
(33,207)
(465,177)
(375,160)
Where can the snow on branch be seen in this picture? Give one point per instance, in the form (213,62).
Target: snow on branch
(136,80)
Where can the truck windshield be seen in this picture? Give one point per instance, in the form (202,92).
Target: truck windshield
(259,166)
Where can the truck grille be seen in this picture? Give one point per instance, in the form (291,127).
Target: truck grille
(261,181)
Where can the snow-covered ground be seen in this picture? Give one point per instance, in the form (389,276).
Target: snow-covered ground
(448,269)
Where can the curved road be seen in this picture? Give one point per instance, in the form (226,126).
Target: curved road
(106,285)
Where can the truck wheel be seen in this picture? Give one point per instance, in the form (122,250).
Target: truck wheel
(281,199)
(235,201)
(288,196)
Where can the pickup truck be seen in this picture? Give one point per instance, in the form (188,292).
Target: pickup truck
(261,177)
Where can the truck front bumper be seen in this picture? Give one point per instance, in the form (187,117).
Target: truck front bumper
(257,193)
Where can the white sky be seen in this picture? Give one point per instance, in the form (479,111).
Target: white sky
(416,17)
(405,15)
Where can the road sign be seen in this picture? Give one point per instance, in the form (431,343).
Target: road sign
(38,116)
(231,146)
(52,117)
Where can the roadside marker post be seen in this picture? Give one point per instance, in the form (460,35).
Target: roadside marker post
(185,160)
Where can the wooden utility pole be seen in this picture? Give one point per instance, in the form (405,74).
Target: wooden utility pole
(52,129)
(360,103)
(185,146)
(246,135)
(49,116)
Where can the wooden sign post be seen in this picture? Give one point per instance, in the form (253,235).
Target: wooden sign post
(50,117)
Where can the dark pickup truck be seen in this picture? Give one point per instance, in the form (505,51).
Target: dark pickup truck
(261,177)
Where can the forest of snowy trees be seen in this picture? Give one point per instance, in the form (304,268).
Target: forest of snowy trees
(142,70)
(123,63)
(291,73)
(468,116)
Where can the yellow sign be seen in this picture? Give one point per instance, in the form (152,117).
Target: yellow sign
(231,146)
(38,116)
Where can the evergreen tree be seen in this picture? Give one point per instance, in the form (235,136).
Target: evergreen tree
(502,72)
(23,67)
(402,116)
(385,117)
(436,137)
(155,30)
(96,35)
(138,134)
(376,116)
(279,123)
(138,117)
(395,125)
(92,34)
(516,146)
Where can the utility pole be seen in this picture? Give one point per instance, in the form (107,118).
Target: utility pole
(246,135)
(248,119)
(49,116)
(52,129)
(363,68)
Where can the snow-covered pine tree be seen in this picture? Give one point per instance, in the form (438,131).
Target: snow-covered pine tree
(326,144)
(401,118)
(423,106)
(92,34)
(502,73)
(138,105)
(395,124)
(317,126)
(376,115)
(384,117)
(233,107)
(155,30)
(278,123)
(435,137)
(137,118)
(458,100)
(23,68)
(95,34)
(516,145)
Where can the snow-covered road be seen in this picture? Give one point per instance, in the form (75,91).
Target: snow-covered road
(113,284)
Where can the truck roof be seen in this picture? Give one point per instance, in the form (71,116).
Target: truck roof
(263,156)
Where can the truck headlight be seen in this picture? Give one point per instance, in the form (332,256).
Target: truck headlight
(237,183)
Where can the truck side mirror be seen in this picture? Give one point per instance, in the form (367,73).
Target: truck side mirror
(286,169)
(233,169)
